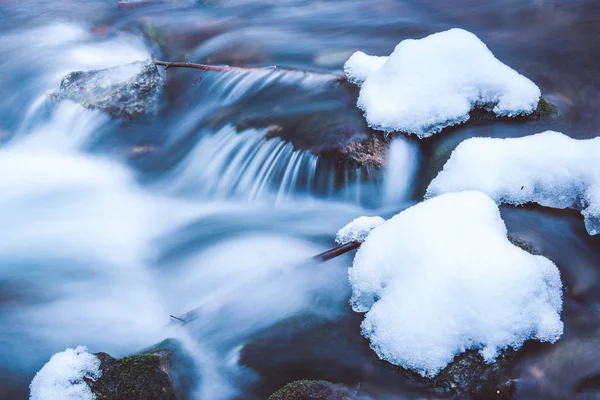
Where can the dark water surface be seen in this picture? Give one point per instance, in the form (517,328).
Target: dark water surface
(101,241)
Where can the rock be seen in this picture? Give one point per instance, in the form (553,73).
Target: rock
(159,373)
(369,152)
(545,109)
(126,92)
(306,348)
(142,376)
(308,390)
(469,376)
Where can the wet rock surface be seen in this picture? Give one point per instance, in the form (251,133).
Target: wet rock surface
(370,152)
(155,374)
(317,390)
(306,348)
(126,92)
(143,376)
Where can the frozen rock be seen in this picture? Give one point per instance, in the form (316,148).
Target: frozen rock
(442,277)
(428,84)
(548,168)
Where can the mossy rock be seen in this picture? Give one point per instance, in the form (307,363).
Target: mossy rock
(545,109)
(162,372)
(138,377)
(309,390)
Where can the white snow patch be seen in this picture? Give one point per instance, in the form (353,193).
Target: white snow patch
(360,65)
(548,168)
(441,277)
(428,84)
(62,377)
(358,230)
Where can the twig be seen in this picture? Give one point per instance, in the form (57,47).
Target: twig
(225,68)
(325,256)
(336,251)
(199,79)
(177,318)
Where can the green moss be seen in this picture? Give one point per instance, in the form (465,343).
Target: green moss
(545,109)
(306,390)
(134,377)
(523,245)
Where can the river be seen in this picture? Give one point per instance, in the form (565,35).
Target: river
(108,227)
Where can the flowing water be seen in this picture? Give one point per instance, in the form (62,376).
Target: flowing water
(110,227)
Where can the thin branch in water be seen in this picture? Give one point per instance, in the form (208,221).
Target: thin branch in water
(177,318)
(336,251)
(226,68)
(325,256)
(199,79)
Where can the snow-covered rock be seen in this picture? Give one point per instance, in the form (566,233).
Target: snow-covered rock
(128,91)
(62,377)
(428,84)
(358,230)
(548,168)
(441,277)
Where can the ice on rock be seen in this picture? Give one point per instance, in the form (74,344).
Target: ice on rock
(548,168)
(358,230)
(62,377)
(441,277)
(428,84)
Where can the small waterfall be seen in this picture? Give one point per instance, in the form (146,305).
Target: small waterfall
(246,165)
(250,165)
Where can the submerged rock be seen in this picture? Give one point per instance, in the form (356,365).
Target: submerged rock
(308,390)
(126,92)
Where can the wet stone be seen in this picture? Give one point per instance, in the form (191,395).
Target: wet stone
(161,372)
(309,390)
(126,92)
(142,376)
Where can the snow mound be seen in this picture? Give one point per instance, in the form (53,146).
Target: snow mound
(62,377)
(548,168)
(428,84)
(358,230)
(441,277)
